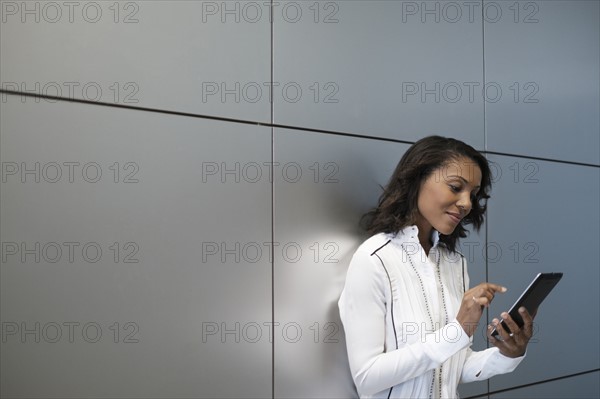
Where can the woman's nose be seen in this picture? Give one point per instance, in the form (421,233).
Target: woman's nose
(465,203)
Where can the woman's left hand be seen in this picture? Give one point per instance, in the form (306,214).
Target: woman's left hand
(515,343)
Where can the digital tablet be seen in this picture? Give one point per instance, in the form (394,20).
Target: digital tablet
(532,297)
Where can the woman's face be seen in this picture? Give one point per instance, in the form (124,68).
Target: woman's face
(445,196)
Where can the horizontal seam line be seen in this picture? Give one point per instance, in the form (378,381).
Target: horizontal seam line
(533,383)
(268,124)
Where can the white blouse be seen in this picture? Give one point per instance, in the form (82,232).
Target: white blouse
(399,312)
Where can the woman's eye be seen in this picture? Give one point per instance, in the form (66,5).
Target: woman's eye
(454,188)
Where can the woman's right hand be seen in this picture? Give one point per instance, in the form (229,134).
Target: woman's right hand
(473,303)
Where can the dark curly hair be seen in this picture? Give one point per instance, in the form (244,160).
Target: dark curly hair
(398,203)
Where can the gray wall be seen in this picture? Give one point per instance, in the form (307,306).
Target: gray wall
(175,233)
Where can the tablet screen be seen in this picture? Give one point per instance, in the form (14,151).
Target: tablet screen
(532,297)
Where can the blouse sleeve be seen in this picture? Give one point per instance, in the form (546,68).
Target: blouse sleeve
(485,364)
(362,307)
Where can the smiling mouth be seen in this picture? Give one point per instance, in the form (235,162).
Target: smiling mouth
(455,217)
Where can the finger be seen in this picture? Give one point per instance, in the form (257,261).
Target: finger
(533,314)
(481,301)
(511,324)
(489,295)
(496,340)
(486,297)
(505,335)
(489,335)
(495,288)
(525,315)
(528,320)
(487,290)
(507,346)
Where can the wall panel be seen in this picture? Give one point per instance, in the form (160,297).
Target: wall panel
(326,183)
(386,82)
(171,228)
(544,55)
(583,386)
(202,57)
(545,218)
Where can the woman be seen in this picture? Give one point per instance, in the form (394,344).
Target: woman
(407,311)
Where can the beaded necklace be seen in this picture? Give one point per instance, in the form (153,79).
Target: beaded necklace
(429,313)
